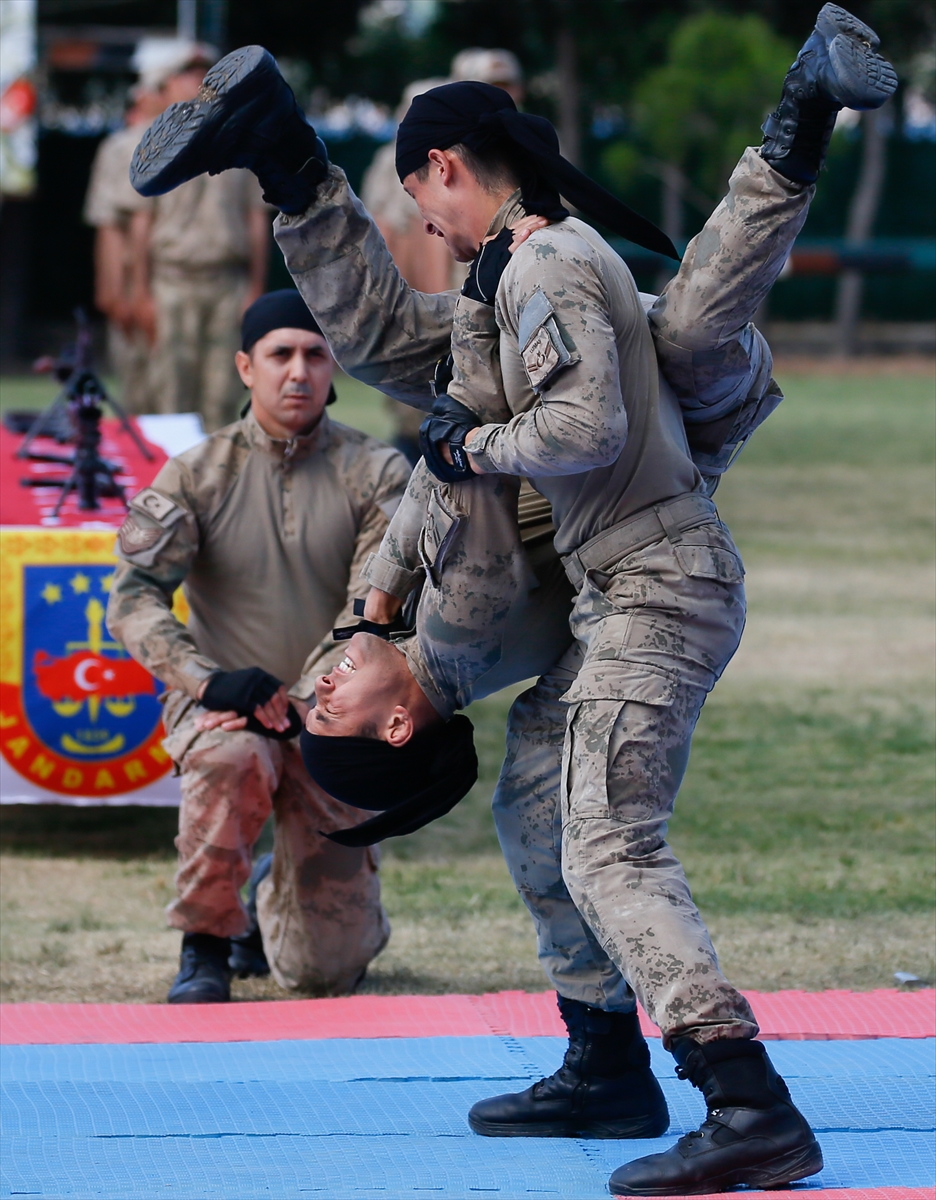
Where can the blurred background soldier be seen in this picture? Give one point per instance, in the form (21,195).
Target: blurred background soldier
(110,203)
(423,261)
(267,525)
(199,260)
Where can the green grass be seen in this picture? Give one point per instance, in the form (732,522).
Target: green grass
(805,807)
(357,404)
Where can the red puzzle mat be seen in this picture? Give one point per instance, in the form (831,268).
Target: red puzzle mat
(784,1015)
(33,506)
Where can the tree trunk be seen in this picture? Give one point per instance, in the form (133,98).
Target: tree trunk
(862,214)
(569,101)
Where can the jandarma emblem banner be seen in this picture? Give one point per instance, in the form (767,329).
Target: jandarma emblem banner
(78,716)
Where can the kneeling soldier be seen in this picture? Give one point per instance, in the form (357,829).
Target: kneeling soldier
(266,526)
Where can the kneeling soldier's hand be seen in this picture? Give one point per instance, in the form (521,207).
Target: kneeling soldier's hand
(250,692)
(449,425)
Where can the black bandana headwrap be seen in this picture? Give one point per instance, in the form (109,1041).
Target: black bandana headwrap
(409,785)
(477,115)
(284,309)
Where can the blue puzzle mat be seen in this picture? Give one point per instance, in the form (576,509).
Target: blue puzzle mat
(341,1119)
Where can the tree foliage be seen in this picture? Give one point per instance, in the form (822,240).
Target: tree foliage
(707,102)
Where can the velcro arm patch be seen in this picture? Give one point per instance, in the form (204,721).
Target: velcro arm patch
(542,347)
(148,527)
(161,508)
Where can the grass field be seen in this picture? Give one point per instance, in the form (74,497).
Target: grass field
(806,820)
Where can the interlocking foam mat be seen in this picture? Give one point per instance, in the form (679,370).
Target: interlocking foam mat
(832,1014)
(355,1117)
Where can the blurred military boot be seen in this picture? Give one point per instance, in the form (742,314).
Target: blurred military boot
(245,115)
(247,954)
(752,1134)
(604,1088)
(203,976)
(838,67)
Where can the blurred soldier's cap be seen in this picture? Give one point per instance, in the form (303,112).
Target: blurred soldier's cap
(157,59)
(499,67)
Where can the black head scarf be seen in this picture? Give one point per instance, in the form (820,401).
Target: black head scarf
(284,309)
(479,115)
(408,785)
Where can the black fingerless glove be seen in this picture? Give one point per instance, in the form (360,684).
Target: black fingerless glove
(280,735)
(450,424)
(487,268)
(241,690)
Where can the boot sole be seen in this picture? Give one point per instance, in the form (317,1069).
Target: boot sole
(863,79)
(779,1172)
(638,1127)
(171,149)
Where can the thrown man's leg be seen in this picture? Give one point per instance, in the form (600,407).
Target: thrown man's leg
(716,361)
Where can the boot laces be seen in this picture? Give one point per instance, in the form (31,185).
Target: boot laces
(708,1126)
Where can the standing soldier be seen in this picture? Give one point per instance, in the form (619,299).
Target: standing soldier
(110,203)
(266,526)
(660,598)
(199,260)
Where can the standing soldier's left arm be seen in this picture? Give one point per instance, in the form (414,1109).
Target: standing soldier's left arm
(389,475)
(560,362)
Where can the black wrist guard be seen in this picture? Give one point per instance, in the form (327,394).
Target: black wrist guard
(241,691)
(449,425)
(378,628)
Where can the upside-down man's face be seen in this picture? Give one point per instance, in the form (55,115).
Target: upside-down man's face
(364,695)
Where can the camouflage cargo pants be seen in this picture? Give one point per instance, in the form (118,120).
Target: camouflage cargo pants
(319,908)
(197,335)
(596,752)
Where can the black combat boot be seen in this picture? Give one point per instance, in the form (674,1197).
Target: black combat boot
(247,954)
(203,976)
(753,1134)
(604,1088)
(244,115)
(839,67)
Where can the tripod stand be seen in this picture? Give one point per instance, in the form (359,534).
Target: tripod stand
(82,397)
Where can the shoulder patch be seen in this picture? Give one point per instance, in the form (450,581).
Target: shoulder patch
(157,506)
(542,346)
(536,310)
(134,537)
(540,358)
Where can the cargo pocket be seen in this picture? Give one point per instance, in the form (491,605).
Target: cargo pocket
(441,531)
(598,697)
(714,558)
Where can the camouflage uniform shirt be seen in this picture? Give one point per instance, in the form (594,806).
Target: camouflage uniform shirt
(267,539)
